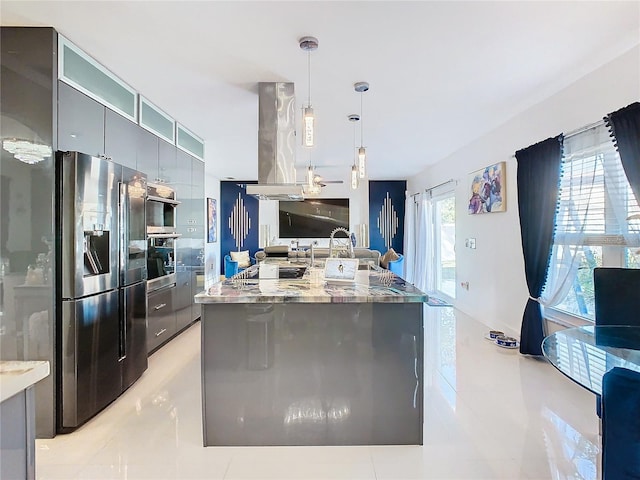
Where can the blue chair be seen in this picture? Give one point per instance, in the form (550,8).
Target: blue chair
(397,266)
(616,299)
(620,424)
(230,267)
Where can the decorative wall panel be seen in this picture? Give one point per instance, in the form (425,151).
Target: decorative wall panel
(238,220)
(386,215)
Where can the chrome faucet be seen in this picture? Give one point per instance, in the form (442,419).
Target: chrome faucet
(344,230)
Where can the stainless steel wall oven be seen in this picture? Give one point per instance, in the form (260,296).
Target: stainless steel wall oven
(161,236)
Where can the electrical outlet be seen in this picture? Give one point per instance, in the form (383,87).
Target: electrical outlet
(472,243)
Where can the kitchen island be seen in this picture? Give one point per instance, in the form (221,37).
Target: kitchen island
(306,362)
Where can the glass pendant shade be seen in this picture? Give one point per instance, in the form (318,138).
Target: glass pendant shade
(308,138)
(310,176)
(362,160)
(354,177)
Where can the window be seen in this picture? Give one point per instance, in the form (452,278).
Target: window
(444,243)
(592,226)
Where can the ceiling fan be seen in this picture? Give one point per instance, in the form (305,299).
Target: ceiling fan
(313,182)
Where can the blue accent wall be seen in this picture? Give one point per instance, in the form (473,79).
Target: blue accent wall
(386,215)
(238,220)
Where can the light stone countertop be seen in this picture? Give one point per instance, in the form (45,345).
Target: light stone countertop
(379,286)
(16,376)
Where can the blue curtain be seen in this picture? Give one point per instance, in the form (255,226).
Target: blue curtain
(624,126)
(538,179)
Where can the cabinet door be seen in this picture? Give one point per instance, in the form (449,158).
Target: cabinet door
(166,163)
(197,192)
(184,299)
(147,154)
(197,286)
(120,139)
(161,317)
(80,122)
(183,187)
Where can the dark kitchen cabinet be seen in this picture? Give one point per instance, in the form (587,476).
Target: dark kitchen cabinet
(80,122)
(120,139)
(147,154)
(184,299)
(198,232)
(190,247)
(161,317)
(197,192)
(166,163)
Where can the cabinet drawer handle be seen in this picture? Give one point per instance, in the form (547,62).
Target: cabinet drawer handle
(161,332)
(158,307)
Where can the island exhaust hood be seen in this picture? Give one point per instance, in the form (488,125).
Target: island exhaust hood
(276,143)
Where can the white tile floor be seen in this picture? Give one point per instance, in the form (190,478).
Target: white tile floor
(490,413)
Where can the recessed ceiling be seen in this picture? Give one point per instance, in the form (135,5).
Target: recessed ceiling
(441,73)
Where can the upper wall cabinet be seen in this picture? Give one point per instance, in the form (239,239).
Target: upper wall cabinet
(121,138)
(156,121)
(190,142)
(80,122)
(82,72)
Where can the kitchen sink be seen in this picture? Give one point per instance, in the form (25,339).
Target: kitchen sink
(291,272)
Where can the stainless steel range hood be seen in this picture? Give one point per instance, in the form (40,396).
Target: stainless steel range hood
(276,143)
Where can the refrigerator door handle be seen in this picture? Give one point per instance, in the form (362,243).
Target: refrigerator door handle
(123,208)
(123,218)
(122,348)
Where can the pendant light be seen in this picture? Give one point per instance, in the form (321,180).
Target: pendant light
(361,87)
(354,118)
(308,44)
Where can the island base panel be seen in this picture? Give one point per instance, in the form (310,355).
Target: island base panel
(312,374)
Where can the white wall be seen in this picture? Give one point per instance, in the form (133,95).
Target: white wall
(495,269)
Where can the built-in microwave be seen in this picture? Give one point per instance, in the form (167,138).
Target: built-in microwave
(161,236)
(161,209)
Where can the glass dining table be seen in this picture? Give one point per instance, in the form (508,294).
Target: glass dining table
(585,354)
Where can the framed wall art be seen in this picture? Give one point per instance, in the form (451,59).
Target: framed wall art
(212,221)
(487,190)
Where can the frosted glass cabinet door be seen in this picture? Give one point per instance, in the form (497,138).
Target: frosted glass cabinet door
(81,71)
(80,122)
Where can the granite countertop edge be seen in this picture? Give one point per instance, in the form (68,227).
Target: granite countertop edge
(368,288)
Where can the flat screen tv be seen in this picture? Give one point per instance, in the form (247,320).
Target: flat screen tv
(313,218)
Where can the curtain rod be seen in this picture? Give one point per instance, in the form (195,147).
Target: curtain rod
(451,180)
(578,131)
(428,190)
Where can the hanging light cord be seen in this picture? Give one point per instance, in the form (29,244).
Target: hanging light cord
(309,74)
(361,122)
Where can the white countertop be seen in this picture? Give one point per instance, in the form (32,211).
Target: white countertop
(16,376)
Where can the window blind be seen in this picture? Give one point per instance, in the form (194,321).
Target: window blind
(595,196)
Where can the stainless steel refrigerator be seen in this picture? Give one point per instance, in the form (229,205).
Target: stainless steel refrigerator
(101,284)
